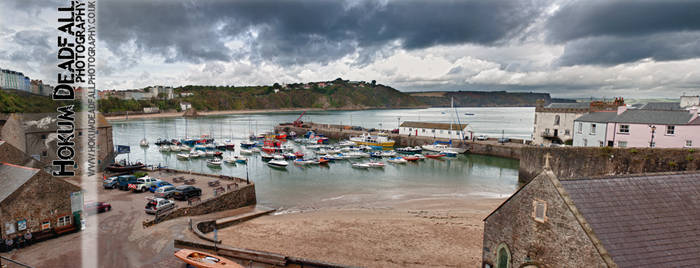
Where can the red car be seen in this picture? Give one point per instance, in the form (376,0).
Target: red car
(97,207)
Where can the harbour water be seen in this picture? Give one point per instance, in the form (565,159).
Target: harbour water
(339,184)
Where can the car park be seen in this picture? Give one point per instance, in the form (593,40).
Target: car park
(159,205)
(110,183)
(157,185)
(97,207)
(165,191)
(124,181)
(183,192)
(142,184)
(503,140)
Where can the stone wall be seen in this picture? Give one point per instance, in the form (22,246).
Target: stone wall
(559,241)
(243,196)
(571,162)
(42,198)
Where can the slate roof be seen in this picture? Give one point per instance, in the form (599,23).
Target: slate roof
(654,117)
(573,105)
(667,106)
(12,155)
(643,221)
(12,177)
(445,126)
(598,117)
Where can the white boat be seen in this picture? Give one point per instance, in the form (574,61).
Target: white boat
(278,157)
(303,162)
(256,149)
(184,147)
(442,147)
(278,163)
(241,159)
(287,148)
(347,143)
(420,156)
(215,162)
(210,153)
(397,160)
(229,160)
(376,164)
(387,154)
(360,165)
(144,142)
(183,156)
(247,143)
(246,151)
(200,147)
(174,148)
(380,140)
(164,148)
(210,146)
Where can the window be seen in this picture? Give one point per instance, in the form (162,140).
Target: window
(45,225)
(44,153)
(503,256)
(410,129)
(593,126)
(580,127)
(433,131)
(689,143)
(423,130)
(556,120)
(670,130)
(442,131)
(63,221)
(449,132)
(567,132)
(546,131)
(539,211)
(624,129)
(601,143)
(622,144)
(80,133)
(9,228)
(43,136)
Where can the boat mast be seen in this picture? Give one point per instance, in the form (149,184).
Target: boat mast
(461,131)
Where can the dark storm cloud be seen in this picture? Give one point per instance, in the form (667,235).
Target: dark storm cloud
(297,32)
(613,50)
(605,32)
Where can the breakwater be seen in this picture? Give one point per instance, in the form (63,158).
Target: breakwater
(489,147)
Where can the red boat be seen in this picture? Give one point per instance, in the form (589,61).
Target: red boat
(323,161)
(434,155)
(411,158)
(299,154)
(281,136)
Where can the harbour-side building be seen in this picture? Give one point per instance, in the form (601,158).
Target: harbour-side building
(554,123)
(646,220)
(591,129)
(434,130)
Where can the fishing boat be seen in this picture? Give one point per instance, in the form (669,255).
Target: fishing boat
(434,156)
(360,165)
(200,259)
(241,159)
(376,164)
(277,163)
(248,144)
(397,160)
(449,153)
(123,167)
(183,156)
(246,151)
(214,162)
(411,158)
(380,140)
(410,150)
(442,146)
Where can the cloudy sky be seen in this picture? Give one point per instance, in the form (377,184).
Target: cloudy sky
(570,48)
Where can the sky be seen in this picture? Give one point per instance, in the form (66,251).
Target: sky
(570,48)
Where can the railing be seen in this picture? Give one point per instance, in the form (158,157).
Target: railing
(13,261)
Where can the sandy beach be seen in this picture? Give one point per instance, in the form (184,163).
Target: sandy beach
(419,233)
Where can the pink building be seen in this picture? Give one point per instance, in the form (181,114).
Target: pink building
(654,128)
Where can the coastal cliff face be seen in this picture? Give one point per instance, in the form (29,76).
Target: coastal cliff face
(481,98)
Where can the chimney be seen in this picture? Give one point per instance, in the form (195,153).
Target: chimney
(694,112)
(621,109)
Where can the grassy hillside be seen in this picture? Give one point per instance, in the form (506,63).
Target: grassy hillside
(12,101)
(481,98)
(339,95)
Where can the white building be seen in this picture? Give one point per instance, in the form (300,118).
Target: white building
(591,130)
(688,102)
(434,130)
(184,106)
(555,122)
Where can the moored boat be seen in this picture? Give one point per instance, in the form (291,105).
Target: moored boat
(410,150)
(449,153)
(215,162)
(434,156)
(376,164)
(398,160)
(200,259)
(246,151)
(183,156)
(241,159)
(360,165)
(124,167)
(380,140)
(437,147)
(278,163)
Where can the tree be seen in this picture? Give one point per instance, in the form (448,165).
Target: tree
(374,83)
(276,86)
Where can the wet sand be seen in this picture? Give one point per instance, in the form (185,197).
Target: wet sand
(422,233)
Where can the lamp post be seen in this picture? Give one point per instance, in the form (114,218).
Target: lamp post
(653,131)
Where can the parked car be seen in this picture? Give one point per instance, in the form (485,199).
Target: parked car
(123,181)
(503,140)
(183,192)
(143,184)
(482,137)
(395,131)
(165,191)
(97,207)
(157,185)
(111,182)
(159,205)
